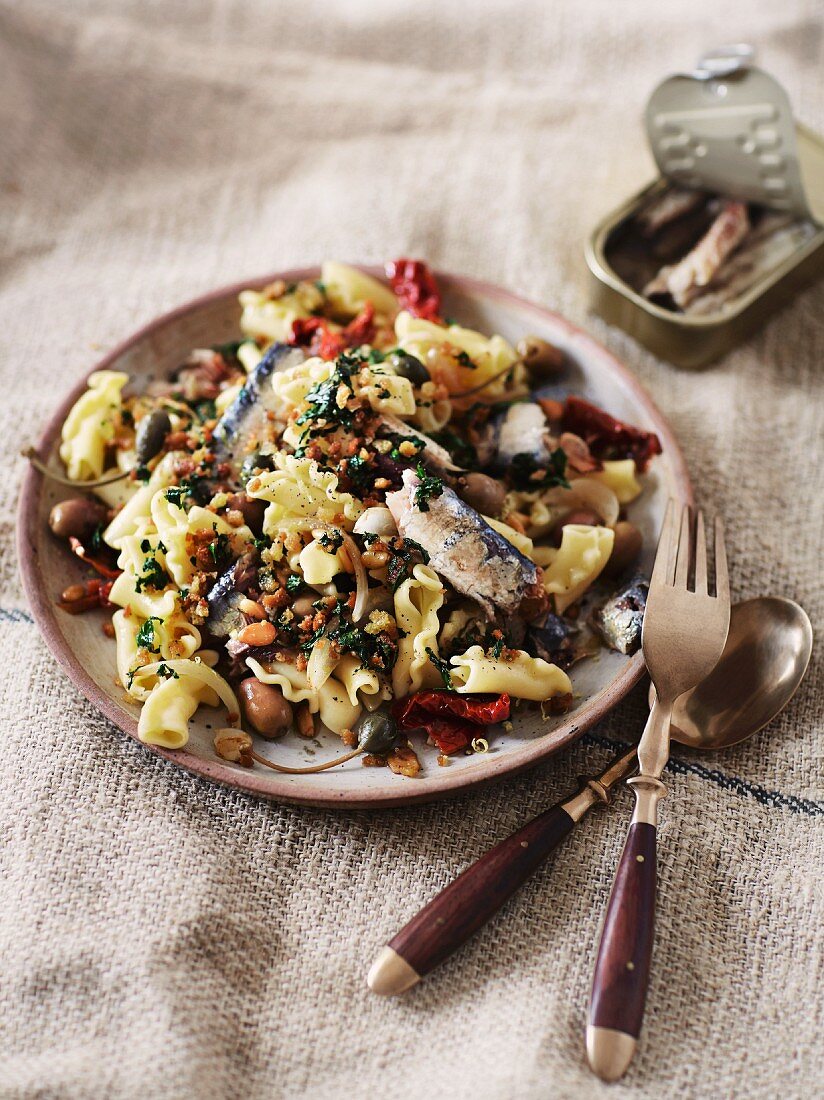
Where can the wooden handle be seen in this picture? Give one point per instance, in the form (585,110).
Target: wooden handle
(457,913)
(619,986)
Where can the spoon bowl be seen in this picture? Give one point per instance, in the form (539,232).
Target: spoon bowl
(764,660)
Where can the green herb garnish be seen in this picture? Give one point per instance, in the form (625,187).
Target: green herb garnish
(442,667)
(429,487)
(524,466)
(146,635)
(293,582)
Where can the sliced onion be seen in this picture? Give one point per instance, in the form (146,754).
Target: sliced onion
(600,498)
(321,663)
(361,579)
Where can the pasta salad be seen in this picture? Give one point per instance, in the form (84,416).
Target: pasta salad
(360,517)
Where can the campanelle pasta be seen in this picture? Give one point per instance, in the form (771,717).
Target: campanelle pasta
(359,517)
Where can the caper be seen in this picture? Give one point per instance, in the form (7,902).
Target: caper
(150,436)
(409,366)
(377,733)
(254,463)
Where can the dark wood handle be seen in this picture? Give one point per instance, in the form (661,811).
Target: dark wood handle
(619,987)
(457,913)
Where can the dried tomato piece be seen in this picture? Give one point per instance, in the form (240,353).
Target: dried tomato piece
(96,563)
(607,437)
(450,720)
(361,329)
(313,333)
(415,288)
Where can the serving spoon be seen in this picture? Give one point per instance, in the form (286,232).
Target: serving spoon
(764,660)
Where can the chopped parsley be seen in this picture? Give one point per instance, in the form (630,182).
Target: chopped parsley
(153,575)
(220,549)
(324,414)
(205,409)
(442,667)
(293,582)
(403,560)
(167,673)
(359,469)
(429,487)
(321,286)
(375,356)
(524,466)
(462,452)
(464,360)
(331,541)
(97,537)
(146,635)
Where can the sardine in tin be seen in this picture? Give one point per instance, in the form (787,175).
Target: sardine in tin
(725,130)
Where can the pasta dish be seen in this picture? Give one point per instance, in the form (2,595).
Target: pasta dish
(360,517)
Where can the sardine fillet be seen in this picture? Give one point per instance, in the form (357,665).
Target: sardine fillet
(464,550)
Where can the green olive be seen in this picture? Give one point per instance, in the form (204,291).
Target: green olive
(150,436)
(377,733)
(409,366)
(254,463)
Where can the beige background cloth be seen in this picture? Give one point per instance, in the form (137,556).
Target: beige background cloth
(161,937)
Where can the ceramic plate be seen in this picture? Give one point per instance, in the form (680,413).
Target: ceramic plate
(89,657)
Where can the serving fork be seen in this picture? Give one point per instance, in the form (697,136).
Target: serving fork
(684,632)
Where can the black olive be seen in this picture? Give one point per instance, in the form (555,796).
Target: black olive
(254,463)
(151,434)
(408,366)
(377,733)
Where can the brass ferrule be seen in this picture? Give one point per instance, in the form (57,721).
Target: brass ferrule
(648,792)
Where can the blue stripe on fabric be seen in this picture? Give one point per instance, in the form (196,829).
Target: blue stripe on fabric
(763,795)
(15,616)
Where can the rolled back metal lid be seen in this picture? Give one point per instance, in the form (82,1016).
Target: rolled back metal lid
(728,127)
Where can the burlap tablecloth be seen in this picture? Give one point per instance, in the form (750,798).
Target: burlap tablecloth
(161,937)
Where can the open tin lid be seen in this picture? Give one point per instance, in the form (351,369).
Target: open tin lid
(728,127)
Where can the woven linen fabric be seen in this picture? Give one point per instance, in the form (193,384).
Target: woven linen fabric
(162,937)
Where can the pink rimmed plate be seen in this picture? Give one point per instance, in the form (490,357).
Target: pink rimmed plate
(89,657)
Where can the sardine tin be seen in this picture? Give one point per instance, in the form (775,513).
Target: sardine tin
(726,163)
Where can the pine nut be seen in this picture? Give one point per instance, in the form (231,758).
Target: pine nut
(257,634)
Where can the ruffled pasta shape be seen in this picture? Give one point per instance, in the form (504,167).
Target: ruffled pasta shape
(619,476)
(490,355)
(317,564)
(349,290)
(138,554)
(299,488)
(417,602)
(522,676)
(332,701)
(271,319)
(431,412)
(356,678)
(387,393)
(89,427)
(138,508)
(293,384)
(175,528)
(583,553)
(169,639)
(179,688)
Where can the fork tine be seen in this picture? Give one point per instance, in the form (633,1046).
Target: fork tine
(665,554)
(682,564)
(722,579)
(700,556)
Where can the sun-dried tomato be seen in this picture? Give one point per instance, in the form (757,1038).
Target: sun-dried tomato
(361,329)
(607,437)
(99,566)
(313,334)
(415,288)
(450,720)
